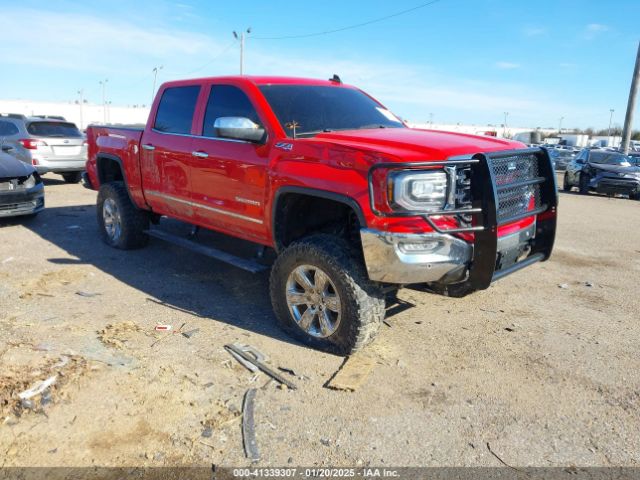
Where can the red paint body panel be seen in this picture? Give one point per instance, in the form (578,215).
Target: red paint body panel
(234,188)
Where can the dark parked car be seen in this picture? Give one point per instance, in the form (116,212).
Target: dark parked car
(562,157)
(21,189)
(603,171)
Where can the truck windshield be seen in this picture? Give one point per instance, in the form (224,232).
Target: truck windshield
(306,110)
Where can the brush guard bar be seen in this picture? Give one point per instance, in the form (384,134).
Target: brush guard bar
(505,187)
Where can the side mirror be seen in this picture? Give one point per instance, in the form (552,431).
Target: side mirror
(238,128)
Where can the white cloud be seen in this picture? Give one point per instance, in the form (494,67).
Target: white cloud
(534,31)
(98,47)
(89,43)
(507,65)
(594,29)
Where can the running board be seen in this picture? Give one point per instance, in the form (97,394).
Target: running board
(243,263)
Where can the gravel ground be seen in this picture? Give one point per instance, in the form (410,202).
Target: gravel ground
(542,366)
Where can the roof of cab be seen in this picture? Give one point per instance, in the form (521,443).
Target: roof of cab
(263,80)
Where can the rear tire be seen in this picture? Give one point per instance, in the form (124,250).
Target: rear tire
(354,308)
(121,223)
(565,183)
(73,177)
(584,184)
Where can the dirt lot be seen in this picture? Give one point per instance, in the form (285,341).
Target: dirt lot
(546,375)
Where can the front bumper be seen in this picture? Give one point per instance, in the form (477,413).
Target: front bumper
(616,185)
(433,257)
(25,202)
(414,258)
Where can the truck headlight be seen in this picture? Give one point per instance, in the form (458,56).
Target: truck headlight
(422,191)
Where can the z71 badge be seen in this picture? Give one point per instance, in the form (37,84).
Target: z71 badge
(284,146)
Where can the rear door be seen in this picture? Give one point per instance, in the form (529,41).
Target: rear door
(229,176)
(166,152)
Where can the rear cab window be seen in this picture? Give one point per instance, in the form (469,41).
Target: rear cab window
(53,129)
(176,109)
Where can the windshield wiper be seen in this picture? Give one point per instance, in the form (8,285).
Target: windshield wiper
(314,132)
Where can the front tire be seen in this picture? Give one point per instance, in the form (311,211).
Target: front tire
(121,223)
(584,184)
(73,177)
(321,295)
(566,186)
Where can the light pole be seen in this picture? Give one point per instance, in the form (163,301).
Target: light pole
(104,98)
(610,121)
(155,77)
(241,38)
(504,133)
(560,126)
(81,93)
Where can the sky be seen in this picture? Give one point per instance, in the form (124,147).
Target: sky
(466,61)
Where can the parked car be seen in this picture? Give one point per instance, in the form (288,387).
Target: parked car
(49,144)
(562,157)
(603,171)
(21,189)
(352,203)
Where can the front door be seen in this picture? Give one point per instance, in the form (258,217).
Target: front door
(228,177)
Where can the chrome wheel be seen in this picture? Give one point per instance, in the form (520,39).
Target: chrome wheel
(313,301)
(112,219)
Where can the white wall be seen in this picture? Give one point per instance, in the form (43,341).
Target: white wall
(90,113)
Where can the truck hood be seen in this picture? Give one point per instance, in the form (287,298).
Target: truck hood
(408,144)
(10,167)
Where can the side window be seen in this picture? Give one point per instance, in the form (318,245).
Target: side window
(175,112)
(7,128)
(227,101)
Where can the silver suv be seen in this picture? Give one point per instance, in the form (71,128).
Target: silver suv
(50,144)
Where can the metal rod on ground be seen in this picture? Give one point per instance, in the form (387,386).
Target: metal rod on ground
(631,105)
(261,366)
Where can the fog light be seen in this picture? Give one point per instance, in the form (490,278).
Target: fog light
(419,247)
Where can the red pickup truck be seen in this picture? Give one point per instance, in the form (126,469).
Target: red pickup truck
(353,202)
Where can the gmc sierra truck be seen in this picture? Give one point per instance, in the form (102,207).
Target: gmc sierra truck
(353,202)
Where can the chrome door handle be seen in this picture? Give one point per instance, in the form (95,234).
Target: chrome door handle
(148,146)
(200,154)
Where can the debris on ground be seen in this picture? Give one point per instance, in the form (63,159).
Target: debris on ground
(353,372)
(287,370)
(117,334)
(19,393)
(38,388)
(190,333)
(232,348)
(7,260)
(563,285)
(82,293)
(248,426)
(499,459)
(162,328)
(256,354)
(588,284)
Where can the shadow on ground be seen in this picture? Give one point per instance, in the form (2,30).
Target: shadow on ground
(173,276)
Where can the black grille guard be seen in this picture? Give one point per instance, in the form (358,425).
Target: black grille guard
(484,210)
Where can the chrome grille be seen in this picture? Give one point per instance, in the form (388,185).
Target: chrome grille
(517,199)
